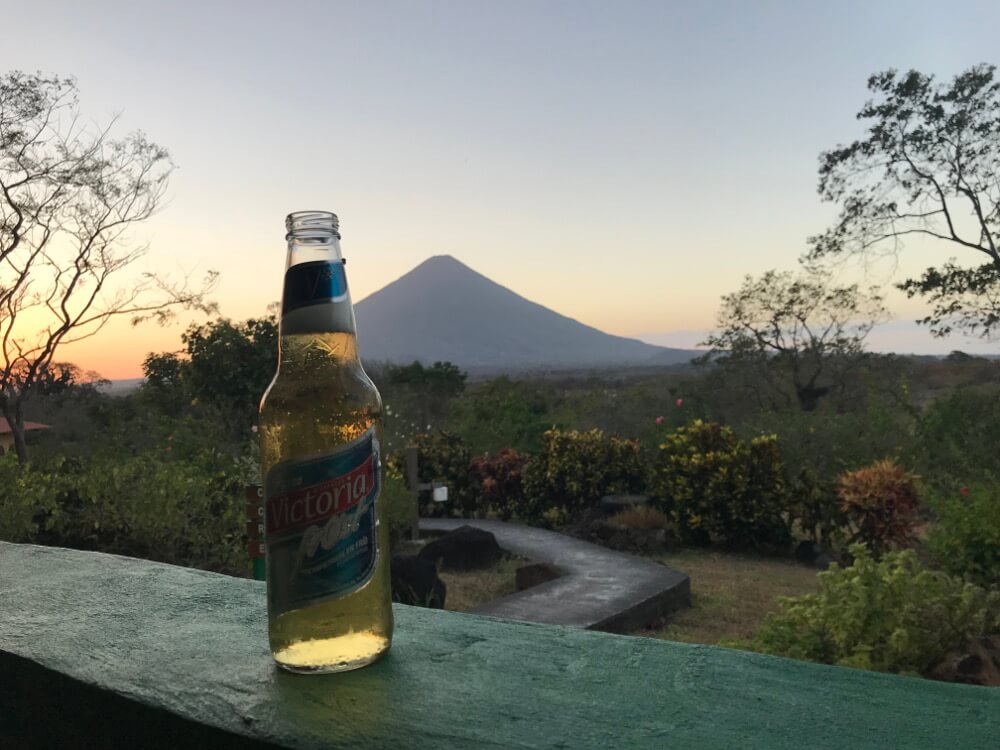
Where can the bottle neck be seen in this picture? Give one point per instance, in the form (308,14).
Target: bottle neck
(315,297)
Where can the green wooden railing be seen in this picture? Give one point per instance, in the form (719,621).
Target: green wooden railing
(105,651)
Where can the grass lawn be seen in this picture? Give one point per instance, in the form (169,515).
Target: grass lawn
(730,594)
(467,590)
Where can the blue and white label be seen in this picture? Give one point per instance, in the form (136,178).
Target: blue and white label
(313,283)
(321,527)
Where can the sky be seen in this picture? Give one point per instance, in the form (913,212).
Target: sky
(625,164)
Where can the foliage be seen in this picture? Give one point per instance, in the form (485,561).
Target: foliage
(70,194)
(502,413)
(893,615)
(417,398)
(957,438)
(799,326)
(441,457)
(148,505)
(499,482)
(442,379)
(965,539)
(396,501)
(926,169)
(881,504)
(641,517)
(574,470)
(226,366)
(717,486)
(815,507)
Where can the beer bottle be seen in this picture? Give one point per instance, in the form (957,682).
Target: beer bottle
(328,591)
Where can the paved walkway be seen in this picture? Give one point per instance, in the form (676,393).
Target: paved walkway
(600,589)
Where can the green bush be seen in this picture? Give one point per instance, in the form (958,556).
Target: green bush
(396,501)
(965,540)
(574,470)
(814,506)
(181,512)
(441,457)
(881,505)
(957,438)
(718,487)
(499,480)
(892,615)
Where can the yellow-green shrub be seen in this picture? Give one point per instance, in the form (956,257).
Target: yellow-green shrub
(575,469)
(892,615)
(718,487)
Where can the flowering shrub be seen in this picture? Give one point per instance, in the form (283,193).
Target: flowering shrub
(965,540)
(892,615)
(881,504)
(575,469)
(718,487)
(498,479)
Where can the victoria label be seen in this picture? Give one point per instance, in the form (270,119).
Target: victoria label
(320,524)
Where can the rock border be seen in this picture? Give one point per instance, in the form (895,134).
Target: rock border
(600,589)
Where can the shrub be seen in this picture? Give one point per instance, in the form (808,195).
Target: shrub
(499,482)
(957,437)
(965,540)
(716,486)
(575,469)
(641,518)
(181,512)
(881,504)
(892,615)
(441,457)
(396,501)
(813,504)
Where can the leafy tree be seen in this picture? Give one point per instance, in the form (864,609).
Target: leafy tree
(927,168)
(442,379)
(224,365)
(68,197)
(418,395)
(799,327)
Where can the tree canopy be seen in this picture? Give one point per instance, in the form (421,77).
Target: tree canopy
(928,167)
(69,194)
(225,365)
(798,326)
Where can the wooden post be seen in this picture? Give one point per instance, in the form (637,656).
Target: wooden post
(413,482)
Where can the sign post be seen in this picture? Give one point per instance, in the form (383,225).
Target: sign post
(255,530)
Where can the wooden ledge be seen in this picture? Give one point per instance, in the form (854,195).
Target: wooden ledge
(101,651)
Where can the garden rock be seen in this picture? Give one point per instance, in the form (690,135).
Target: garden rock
(810,553)
(977,665)
(415,581)
(465,548)
(535,574)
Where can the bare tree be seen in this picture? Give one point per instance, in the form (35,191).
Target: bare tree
(799,327)
(69,193)
(928,168)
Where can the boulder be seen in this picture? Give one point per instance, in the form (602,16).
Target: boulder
(465,548)
(534,574)
(979,664)
(415,581)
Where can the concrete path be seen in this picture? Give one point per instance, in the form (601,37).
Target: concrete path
(600,589)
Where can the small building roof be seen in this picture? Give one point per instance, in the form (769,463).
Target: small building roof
(5,426)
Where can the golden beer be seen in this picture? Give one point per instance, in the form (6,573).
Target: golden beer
(320,433)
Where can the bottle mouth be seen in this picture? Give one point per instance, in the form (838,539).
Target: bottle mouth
(312,225)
